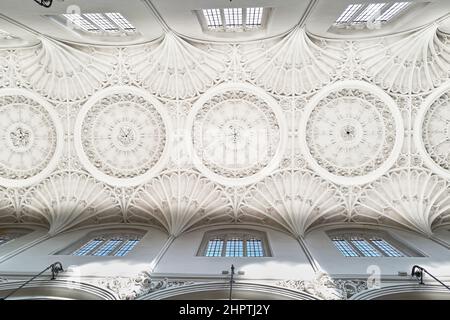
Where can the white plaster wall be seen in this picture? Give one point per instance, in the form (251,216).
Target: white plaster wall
(287,261)
(43,254)
(436,259)
(180,260)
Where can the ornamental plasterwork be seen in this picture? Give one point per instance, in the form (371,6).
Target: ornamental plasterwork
(130,288)
(351,133)
(69,199)
(236,134)
(325,287)
(64,73)
(176,69)
(413,198)
(180,200)
(432,131)
(7,76)
(293,66)
(30,138)
(296,200)
(122,136)
(288,77)
(416,63)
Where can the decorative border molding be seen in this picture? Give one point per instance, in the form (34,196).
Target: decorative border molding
(404,288)
(220,286)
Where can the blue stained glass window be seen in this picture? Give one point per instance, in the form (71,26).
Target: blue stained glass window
(88,247)
(365,248)
(254,248)
(108,248)
(127,247)
(386,247)
(235,248)
(214,248)
(344,247)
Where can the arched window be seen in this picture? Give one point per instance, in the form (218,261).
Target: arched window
(369,243)
(117,244)
(234,243)
(7,235)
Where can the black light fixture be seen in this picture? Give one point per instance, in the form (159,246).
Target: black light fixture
(55,269)
(44,3)
(418,273)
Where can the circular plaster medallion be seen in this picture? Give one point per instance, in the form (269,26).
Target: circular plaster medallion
(432,130)
(31,138)
(351,132)
(122,136)
(236,134)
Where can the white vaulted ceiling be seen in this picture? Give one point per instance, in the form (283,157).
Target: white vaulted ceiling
(298,128)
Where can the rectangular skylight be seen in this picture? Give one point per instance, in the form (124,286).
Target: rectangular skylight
(120,21)
(233,17)
(393,10)
(348,13)
(80,22)
(369,12)
(97,22)
(101,21)
(254,16)
(213,17)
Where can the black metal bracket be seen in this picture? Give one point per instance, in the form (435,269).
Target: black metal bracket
(418,273)
(55,268)
(44,3)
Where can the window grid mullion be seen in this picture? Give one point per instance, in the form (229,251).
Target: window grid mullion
(118,247)
(89,252)
(100,244)
(103,242)
(244,18)
(357,13)
(112,242)
(348,238)
(99,25)
(127,247)
(375,247)
(113,22)
(361,239)
(234,244)
(92,23)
